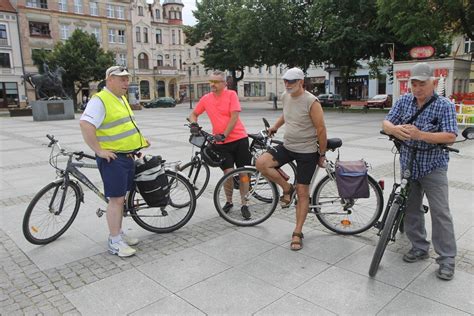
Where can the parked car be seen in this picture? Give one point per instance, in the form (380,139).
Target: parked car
(163,102)
(380,101)
(330,100)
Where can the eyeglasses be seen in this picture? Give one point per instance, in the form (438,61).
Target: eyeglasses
(291,81)
(216,81)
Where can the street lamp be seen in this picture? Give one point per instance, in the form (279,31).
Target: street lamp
(190,66)
(390,50)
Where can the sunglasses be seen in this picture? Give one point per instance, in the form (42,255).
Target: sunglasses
(118,69)
(215,81)
(291,81)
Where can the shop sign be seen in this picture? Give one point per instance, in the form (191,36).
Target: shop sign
(438,72)
(402,74)
(421,52)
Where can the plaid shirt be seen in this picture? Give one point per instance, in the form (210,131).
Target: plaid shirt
(440,116)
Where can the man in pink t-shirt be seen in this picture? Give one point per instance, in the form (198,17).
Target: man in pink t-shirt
(222,106)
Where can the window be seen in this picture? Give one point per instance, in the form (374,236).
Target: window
(202,89)
(189,52)
(197,70)
(3,35)
(145,35)
(160,87)
(145,89)
(157,14)
(174,60)
(120,12)
(111,36)
(121,36)
(159,60)
(42,4)
(62,5)
(158,36)
(39,29)
(121,59)
(197,52)
(173,37)
(140,11)
(94,8)
(138,34)
(110,11)
(143,61)
(270,70)
(468,45)
(96,32)
(260,69)
(64,30)
(254,89)
(78,6)
(8,93)
(5,60)
(249,69)
(179,37)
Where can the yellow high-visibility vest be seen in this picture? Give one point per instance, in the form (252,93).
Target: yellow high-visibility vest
(118,132)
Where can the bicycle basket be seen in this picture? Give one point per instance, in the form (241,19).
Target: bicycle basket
(197,140)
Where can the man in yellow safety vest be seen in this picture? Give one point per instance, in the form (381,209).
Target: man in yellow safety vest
(109,129)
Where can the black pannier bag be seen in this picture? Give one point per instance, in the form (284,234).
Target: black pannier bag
(352,179)
(151,181)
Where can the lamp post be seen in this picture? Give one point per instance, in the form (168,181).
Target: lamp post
(189,86)
(390,50)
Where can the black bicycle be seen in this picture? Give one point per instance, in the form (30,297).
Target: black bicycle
(53,209)
(197,170)
(392,220)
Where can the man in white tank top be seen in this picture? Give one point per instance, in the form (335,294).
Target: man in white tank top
(304,141)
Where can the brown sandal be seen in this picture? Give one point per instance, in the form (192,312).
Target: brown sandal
(300,242)
(284,201)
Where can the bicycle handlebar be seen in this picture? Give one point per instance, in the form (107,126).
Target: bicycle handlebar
(403,143)
(209,137)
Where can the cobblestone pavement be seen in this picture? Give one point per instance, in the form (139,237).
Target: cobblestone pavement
(25,288)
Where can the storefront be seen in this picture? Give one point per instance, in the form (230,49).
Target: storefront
(357,87)
(9,96)
(452,73)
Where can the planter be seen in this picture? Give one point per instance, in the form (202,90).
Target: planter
(20,112)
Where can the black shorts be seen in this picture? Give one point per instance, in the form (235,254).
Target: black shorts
(235,152)
(305,162)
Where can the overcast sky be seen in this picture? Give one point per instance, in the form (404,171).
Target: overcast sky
(189,6)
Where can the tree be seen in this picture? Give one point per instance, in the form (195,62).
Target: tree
(427,22)
(217,23)
(82,58)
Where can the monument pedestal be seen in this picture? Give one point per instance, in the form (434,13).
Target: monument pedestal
(51,110)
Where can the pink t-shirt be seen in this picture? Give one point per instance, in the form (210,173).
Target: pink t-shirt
(219,109)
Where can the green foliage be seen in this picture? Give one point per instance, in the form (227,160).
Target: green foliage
(427,22)
(82,58)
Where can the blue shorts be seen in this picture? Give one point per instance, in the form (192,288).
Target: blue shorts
(117,175)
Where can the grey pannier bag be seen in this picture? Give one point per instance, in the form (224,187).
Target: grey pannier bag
(352,179)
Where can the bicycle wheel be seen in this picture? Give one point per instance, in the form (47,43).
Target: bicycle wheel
(176,214)
(387,230)
(198,175)
(51,211)
(346,216)
(260,196)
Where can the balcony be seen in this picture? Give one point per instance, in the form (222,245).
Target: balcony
(3,41)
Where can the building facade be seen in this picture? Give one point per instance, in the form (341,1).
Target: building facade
(43,23)
(12,88)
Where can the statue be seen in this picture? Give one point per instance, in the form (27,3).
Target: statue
(48,85)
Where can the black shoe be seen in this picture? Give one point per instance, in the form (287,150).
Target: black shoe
(415,255)
(445,271)
(245,212)
(227,207)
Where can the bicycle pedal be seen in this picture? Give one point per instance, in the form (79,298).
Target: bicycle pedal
(100,212)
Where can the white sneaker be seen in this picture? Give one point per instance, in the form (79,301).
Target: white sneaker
(131,241)
(121,248)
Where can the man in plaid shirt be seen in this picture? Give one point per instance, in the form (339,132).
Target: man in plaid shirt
(435,125)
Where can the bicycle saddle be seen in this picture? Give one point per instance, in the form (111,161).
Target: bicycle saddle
(334,143)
